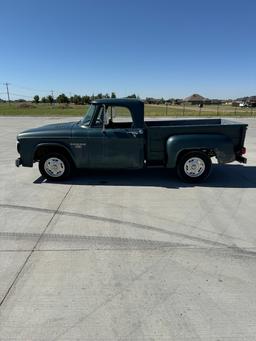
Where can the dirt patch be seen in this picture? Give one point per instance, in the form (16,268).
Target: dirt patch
(26,105)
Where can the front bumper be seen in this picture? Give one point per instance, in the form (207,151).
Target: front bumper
(18,162)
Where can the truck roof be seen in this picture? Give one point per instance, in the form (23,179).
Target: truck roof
(117,101)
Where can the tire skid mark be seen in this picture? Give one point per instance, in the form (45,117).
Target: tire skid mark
(229,250)
(180,222)
(91,239)
(118,221)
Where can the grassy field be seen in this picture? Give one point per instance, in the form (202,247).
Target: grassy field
(15,109)
(24,109)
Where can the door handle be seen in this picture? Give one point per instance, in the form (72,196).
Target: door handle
(135,133)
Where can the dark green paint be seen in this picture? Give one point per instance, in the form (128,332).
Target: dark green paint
(221,145)
(136,145)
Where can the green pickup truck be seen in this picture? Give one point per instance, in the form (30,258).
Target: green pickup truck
(114,135)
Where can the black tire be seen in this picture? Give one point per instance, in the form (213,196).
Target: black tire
(63,163)
(202,164)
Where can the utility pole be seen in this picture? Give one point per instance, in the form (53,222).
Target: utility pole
(52,97)
(7,91)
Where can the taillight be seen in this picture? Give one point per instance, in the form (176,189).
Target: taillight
(242,151)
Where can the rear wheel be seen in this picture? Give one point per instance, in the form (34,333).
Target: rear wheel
(194,166)
(54,166)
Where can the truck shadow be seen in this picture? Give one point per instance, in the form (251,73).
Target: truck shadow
(225,176)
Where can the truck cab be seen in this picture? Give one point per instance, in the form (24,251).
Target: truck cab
(102,141)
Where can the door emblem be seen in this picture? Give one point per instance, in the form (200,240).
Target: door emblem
(78,145)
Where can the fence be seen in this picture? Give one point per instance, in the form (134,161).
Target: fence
(193,110)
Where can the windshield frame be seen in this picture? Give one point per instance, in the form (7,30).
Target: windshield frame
(88,117)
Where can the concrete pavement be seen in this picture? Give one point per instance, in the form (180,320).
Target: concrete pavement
(126,255)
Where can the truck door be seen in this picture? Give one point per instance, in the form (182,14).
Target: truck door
(123,143)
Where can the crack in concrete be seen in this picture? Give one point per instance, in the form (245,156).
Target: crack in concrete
(32,251)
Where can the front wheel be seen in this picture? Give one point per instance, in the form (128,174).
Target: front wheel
(194,166)
(54,167)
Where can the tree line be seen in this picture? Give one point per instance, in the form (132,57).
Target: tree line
(75,99)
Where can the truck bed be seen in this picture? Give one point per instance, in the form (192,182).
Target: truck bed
(159,131)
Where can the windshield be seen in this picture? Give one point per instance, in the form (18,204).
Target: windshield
(88,116)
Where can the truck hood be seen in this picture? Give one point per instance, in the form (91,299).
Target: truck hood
(49,130)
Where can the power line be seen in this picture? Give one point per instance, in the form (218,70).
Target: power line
(34,89)
(31,89)
(21,95)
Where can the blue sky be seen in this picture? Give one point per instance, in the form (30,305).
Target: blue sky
(153,48)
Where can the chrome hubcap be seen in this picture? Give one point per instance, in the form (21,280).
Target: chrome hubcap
(54,167)
(194,167)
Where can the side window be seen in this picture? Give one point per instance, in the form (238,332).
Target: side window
(119,117)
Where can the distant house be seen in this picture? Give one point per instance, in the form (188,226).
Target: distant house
(251,102)
(245,102)
(216,101)
(151,100)
(243,105)
(177,101)
(195,99)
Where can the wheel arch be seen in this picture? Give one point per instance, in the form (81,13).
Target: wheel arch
(212,144)
(209,152)
(46,148)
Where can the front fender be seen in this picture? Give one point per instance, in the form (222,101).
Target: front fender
(220,144)
(53,144)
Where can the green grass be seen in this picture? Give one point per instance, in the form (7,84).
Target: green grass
(17,109)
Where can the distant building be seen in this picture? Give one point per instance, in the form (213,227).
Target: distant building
(243,105)
(245,102)
(195,99)
(151,100)
(251,102)
(215,101)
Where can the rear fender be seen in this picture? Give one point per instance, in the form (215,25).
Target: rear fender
(221,145)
